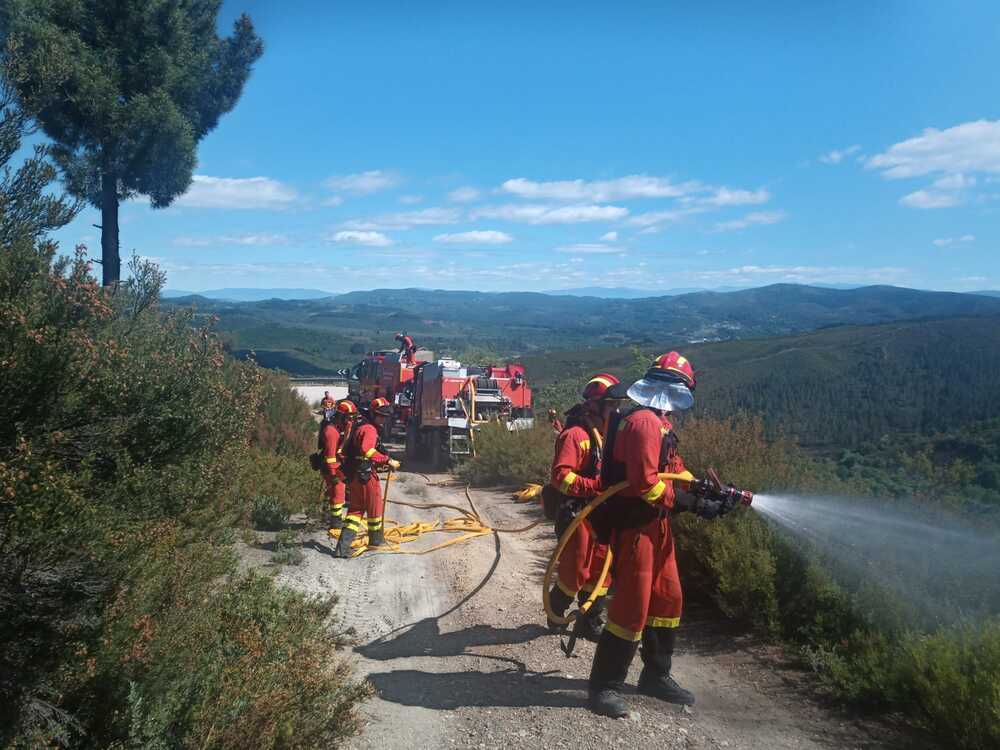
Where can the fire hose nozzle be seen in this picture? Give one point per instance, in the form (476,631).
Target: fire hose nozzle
(711,488)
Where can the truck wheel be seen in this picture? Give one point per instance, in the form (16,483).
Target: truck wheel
(435,457)
(412,446)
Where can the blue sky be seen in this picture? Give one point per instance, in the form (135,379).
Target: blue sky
(550,145)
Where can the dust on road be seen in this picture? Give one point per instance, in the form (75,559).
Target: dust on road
(454,644)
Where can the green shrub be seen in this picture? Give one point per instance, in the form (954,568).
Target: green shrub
(125,463)
(953,677)
(287,548)
(509,457)
(288,480)
(267,513)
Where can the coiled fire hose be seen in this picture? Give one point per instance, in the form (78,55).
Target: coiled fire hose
(469,525)
(614,489)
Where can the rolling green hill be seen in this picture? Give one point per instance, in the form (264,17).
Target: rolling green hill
(316,336)
(832,388)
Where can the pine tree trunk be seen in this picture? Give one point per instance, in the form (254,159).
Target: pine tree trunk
(110,261)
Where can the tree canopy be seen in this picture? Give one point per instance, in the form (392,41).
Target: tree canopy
(126,89)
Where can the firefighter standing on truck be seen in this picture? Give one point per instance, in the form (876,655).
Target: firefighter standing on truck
(333,432)
(407,349)
(575,479)
(647,603)
(363,452)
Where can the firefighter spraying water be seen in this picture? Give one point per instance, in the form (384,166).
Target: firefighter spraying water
(640,465)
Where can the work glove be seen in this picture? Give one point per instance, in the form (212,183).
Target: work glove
(393,464)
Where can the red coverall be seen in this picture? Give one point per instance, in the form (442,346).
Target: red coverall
(648,588)
(408,350)
(366,498)
(582,560)
(336,487)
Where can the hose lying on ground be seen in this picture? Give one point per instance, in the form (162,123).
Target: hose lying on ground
(469,525)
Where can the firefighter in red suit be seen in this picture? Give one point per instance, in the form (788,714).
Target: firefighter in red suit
(407,349)
(575,479)
(362,454)
(335,425)
(647,603)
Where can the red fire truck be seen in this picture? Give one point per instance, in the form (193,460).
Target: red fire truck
(385,374)
(450,401)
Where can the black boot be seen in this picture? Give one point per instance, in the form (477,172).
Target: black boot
(592,621)
(657,657)
(376,538)
(559,602)
(607,676)
(334,520)
(347,536)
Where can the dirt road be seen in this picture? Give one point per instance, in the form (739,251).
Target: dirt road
(453,643)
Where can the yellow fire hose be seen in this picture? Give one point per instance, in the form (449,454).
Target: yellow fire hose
(469,525)
(568,534)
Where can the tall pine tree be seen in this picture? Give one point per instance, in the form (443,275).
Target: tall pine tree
(125,89)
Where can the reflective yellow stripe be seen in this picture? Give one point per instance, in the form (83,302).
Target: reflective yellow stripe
(664,431)
(602,381)
(663,622)
(374,523)
(585,444)
(624,633)
(567,481)
(370,452)
(336,507)
(333,460)
(353,523)
(565,589)
(602,591)
(653,493)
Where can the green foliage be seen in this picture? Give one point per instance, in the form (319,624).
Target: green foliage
(125,90)
(125,462)
(504,457)
(287,548)
(267,513)
(954,678)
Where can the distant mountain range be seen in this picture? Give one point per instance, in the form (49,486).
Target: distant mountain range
(309,336)
(988,292)
(622,292)
(250,295)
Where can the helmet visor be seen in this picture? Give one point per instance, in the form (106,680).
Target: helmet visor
(661,395)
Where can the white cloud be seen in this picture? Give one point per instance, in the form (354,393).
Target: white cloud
(410,200)
(232,192)
(539,214)
(363,183)
(757,218)
(969,147)
(368,239)
(800,274)
(588,248)
(333,200)
(464,194)
(484,237)
(609,237)
(948,241)
(838,155)
(954,182)
(622,188)
(652,218)
(929,199)
(726,197)
(243,239)
(406,219)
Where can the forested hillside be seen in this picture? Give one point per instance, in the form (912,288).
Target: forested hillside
(836,387)
(320,336)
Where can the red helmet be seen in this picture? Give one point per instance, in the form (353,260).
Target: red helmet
(598,385)
(674,363)
(346,409)
(380,406)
